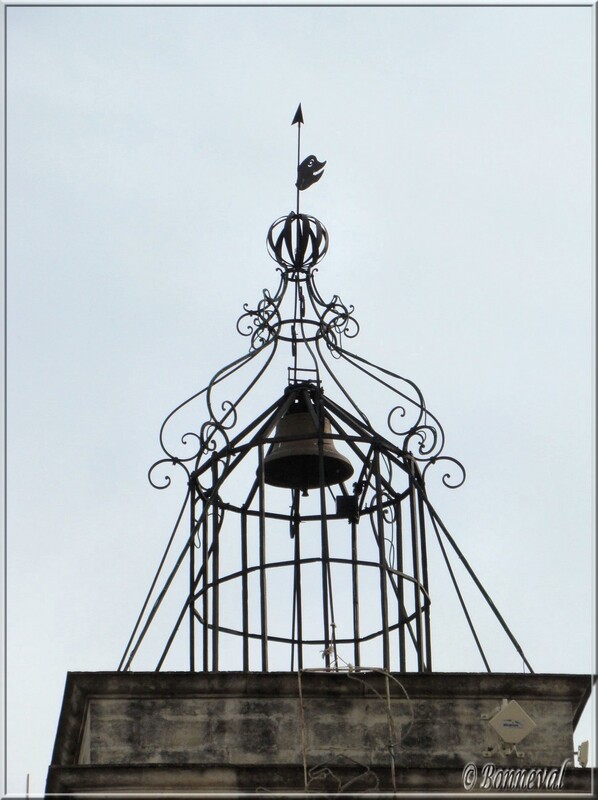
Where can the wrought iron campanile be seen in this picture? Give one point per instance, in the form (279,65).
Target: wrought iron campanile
(303,537)
(285,643)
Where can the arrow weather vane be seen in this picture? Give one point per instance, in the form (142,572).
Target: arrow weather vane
(310,169)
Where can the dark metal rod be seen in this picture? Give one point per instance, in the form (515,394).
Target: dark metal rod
(245,592)
(436,519)
(391,573)
(383,572)
(180,618)
(122,664)
(424,561)
(293,619)
(298,159)
(325,608)
(400,586)
(205,599)
(416,573)
(262,548)
(332,615)
(374,441)
(192,582)
(297,587)
(274,413)
(215,570)
(355,588)
(207,584)
(324,533)
(462,602)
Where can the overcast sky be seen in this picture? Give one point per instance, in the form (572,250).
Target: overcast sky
(149,150)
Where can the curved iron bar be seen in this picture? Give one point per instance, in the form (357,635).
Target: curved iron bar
(214,424)
(259,319)
(246,358)
(309,642)
(338,326)
(426,450)
(315,560)
(427,425)
(336,318)
(447,475)
(172,461)
(419,404)
(341,387)
(366,511)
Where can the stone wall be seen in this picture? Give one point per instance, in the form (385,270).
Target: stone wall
(315,730)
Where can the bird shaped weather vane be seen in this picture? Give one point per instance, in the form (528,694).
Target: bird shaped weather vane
(310,170)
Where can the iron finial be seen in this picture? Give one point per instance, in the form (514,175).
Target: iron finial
(298,118)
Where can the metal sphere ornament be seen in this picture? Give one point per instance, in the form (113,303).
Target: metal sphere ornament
(297,242)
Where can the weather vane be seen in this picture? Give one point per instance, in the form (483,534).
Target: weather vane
(310,170)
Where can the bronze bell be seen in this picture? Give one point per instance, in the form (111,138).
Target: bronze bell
(295,464)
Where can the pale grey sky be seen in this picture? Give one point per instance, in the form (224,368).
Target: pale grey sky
(149,150)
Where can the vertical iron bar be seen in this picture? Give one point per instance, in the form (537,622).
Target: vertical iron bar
(298,160)
(192,576)
(206,600)
(383,566)
(263,596)
(325,562)
(298,602)
(298,233)
(400,586)
(324,535)
(244,590)
(354,569)
(416,573)
(215,569)
(424,559)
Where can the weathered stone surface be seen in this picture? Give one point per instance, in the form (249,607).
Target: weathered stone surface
(283,731)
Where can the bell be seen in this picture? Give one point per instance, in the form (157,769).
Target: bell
(296,464)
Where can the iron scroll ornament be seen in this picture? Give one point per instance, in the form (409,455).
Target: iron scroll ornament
(297,243)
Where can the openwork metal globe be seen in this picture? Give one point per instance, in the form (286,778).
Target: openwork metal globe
(297,241)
